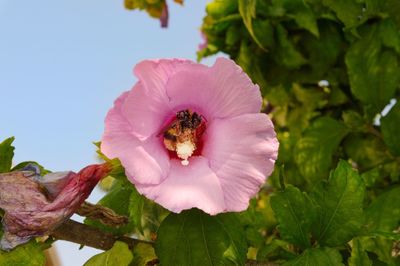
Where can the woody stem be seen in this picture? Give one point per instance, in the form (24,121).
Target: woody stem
(89,236)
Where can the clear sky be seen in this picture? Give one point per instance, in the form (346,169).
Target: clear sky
(62,64)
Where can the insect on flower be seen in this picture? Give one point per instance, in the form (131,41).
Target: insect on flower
(183,134)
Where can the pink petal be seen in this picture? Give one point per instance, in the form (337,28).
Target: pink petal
(221,91)
(145,161)
(154,74)
(242,152)
(145,111)
(147,105)
(186,187)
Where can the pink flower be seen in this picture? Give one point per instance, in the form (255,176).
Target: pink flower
(190,135)
(35,205)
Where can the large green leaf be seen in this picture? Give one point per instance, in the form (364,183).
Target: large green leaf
(340,203)
(390,125)
(118,255)
(373,71)
(359,256)
(6,155)
(316,257)
(296,214)
(29,254)
(313,152)
(195,238)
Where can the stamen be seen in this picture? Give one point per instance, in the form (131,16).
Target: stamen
(184,151)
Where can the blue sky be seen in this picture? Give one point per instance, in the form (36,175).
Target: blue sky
(62,64)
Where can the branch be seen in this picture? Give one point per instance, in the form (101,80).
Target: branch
(89,236)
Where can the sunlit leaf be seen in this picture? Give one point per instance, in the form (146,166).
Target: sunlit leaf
(29,254)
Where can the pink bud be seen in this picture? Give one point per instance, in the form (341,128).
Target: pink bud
(35,205)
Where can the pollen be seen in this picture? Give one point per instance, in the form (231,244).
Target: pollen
(184,151)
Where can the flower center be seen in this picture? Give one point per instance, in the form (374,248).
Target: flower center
(183,135)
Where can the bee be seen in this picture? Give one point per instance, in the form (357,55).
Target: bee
(182,129)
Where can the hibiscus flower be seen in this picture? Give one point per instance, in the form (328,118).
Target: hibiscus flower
(189,135)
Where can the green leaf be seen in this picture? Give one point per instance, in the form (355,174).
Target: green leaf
(296,214)
(6,155)
(118,255)
(373,71)
(340,203)
(221,8)
(390,125)
(313,152)
(354,120)
(318,256)
(365,150)
(275,250)
(347,11)
(28,254)
(388,235)
(390,34)
(142,254)
(195,238)
(382,247)
(286,53)
(384,212)
(247,9)
(359,256)
(136,206)
(300,12)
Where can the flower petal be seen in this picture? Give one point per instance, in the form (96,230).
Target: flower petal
(242,152)
(145,111)
(145,161)
(147,105)
(220,91)
(154,74)
(186,187)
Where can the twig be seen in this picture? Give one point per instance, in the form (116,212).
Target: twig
(89,236)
